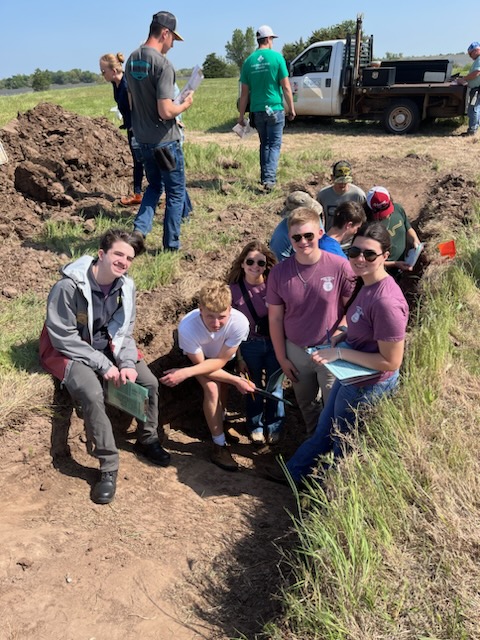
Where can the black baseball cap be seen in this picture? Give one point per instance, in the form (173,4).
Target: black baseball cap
(167,20)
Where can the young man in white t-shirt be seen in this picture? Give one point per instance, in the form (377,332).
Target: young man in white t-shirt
(210,337)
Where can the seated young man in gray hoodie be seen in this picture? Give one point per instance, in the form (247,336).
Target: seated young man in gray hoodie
(88,338)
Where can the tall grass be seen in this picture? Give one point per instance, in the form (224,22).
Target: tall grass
(388,549)
(22,389)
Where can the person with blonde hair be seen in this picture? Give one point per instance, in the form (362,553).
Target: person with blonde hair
(112,71)
(210,336)
(256,357)
(306,296)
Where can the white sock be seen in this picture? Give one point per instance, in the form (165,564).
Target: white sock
(220,440)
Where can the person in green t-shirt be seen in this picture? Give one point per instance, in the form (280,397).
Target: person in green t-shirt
(264,82)
(394,219)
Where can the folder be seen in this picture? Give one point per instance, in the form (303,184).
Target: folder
(130,397)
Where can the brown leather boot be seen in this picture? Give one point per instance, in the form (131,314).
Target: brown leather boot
(222,457)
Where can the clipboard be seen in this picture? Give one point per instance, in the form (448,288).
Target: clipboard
(413,255)
(271,396)
(129,397)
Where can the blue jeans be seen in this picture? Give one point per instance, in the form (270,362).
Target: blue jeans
(473,110)
(338,416)
(270,130)
(259,357)
(158,179)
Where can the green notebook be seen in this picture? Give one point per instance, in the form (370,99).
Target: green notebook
(130,397)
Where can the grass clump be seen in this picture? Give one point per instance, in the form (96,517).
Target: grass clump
(23,390)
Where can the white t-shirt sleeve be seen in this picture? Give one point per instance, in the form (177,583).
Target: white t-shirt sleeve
(188,336)
(238,329)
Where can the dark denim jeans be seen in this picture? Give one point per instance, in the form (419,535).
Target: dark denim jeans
(260,357)
(174,184)
(270,130)
(338,416)
(137,166)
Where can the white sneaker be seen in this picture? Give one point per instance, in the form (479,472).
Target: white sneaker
(257,436)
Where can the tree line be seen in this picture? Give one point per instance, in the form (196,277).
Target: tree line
(40,80)
(243,44)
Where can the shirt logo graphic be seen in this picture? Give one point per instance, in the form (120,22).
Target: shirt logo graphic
(139,69)
(357,315)
(328,283)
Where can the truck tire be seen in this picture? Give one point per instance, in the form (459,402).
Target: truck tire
(401,116)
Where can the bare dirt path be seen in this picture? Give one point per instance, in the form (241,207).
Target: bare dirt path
(185,552)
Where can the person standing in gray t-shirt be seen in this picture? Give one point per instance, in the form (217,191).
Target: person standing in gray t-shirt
(342,190)
(151,82)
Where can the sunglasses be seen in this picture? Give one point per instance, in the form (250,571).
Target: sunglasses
(250,261)
(368,254)
(308,236)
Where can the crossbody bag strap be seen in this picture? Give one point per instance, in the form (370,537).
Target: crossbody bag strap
(248,302)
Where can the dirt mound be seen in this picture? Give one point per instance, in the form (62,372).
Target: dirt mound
(61,165)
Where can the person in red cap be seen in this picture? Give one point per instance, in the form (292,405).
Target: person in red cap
(394,219)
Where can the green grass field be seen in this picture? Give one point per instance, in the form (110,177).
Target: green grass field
(215,103)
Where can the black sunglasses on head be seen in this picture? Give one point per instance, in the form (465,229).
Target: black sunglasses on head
(368,254)
(250,261)
(308,236)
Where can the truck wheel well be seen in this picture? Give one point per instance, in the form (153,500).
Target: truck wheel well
(401,116)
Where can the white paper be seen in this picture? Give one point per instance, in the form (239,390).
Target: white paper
(242,130)
(3,155)
(412,256)
(192,84)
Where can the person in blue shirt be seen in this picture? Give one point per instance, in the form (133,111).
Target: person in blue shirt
(112,70)
(473,81)
(347,220)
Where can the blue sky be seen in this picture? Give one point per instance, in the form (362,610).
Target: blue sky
(49,34)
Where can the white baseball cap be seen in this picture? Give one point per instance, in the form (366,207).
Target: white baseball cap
(265,32)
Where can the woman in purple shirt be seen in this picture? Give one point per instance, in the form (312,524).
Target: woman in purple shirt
(377,316)
(248,281)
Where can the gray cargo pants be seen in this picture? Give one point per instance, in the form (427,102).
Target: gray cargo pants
(314,384)
(86,389)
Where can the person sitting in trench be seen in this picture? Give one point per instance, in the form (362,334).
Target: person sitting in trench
(88,339)
(392,216)
(210,336)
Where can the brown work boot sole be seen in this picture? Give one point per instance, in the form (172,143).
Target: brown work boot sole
(222,457)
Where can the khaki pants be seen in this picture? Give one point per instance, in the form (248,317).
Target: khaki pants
(86,388)
(313,387)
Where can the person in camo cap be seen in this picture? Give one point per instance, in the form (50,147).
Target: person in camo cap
(341,190)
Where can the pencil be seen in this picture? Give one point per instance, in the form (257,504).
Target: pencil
(252,394)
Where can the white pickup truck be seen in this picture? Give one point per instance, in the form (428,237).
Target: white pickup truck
(337,79)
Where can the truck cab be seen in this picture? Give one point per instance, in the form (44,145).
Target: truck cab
(315,79)
(336,78)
